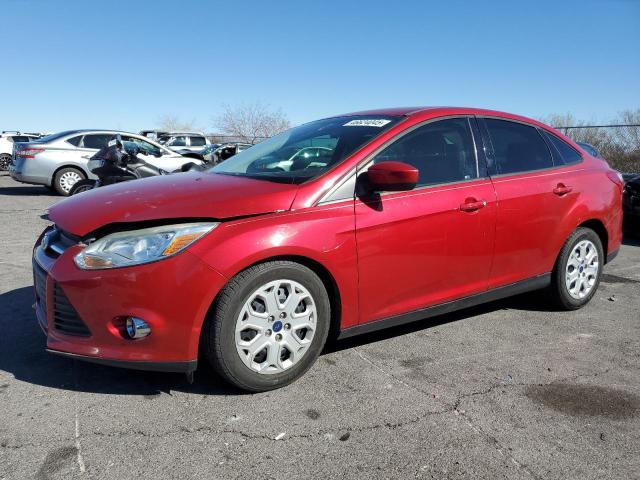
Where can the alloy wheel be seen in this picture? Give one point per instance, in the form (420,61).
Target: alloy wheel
(276,326)
(582,269)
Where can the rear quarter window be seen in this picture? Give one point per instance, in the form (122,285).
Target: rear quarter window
(198,141)
(566,153)
(75,141)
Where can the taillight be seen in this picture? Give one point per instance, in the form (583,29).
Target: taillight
(29,152)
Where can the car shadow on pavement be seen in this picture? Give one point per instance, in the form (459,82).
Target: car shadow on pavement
(631,241)
(533,301)
(23,355)
(27,191)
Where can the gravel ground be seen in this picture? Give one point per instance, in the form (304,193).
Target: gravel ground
(507,390)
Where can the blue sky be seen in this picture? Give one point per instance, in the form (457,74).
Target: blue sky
(125,64)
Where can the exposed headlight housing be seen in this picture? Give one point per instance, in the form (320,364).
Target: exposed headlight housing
(135,247)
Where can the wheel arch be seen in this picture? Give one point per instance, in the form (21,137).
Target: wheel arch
(599,228)
(69,165)
(328,280)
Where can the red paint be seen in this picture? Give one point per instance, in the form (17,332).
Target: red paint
(392,176)
(394,254)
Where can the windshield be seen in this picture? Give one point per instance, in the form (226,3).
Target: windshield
(306,151)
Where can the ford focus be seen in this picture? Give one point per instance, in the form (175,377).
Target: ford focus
(399,215)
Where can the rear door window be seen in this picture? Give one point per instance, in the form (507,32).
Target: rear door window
(97,141)
(21,138)
(198,141)
(517,147)
(566,153)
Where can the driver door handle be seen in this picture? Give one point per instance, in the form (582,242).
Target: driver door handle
(471,205)
(86,156)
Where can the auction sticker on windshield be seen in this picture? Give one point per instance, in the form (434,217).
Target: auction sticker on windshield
(367,123)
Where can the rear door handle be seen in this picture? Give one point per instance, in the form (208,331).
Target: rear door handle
(562,189)
(471,205)
(86,156)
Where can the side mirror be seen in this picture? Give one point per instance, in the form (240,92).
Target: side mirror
(392,176)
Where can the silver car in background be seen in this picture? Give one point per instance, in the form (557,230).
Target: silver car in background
(60,160)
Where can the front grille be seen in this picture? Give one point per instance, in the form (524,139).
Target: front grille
(65,318)
(40,285)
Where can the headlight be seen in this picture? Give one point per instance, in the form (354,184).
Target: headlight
(134,247)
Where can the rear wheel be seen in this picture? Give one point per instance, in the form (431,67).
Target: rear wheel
(5,161)
(65,179)
(268,326)
(577,272)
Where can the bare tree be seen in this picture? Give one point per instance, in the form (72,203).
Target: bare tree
(628,137)
(619,145)
(251,122)
(172,123)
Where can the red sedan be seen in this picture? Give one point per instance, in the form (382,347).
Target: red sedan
(399,215)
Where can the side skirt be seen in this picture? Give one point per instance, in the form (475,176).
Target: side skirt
(528,285)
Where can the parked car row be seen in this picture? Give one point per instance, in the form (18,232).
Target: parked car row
(216,152)
(7,139)
(60,160)
(189,141)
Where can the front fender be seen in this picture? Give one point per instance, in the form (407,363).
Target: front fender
(323,234)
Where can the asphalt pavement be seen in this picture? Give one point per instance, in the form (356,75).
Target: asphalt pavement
(511,389)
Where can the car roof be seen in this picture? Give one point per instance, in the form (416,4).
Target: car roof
(94,130)
(91,130)
(428,112)
(436,111)
(170,134)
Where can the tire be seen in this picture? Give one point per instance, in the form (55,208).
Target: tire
(63,180)
(224,344)
(578,250)
(5,161)
(82,186)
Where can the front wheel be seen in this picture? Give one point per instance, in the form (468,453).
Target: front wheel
(268,326)
(577,272)
(82,186)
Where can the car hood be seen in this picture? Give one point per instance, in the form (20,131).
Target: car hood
(183,195)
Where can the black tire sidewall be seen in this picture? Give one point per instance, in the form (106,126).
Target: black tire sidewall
(80,184)
(559,285)
(5,158)
(59,173)
(222,348)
